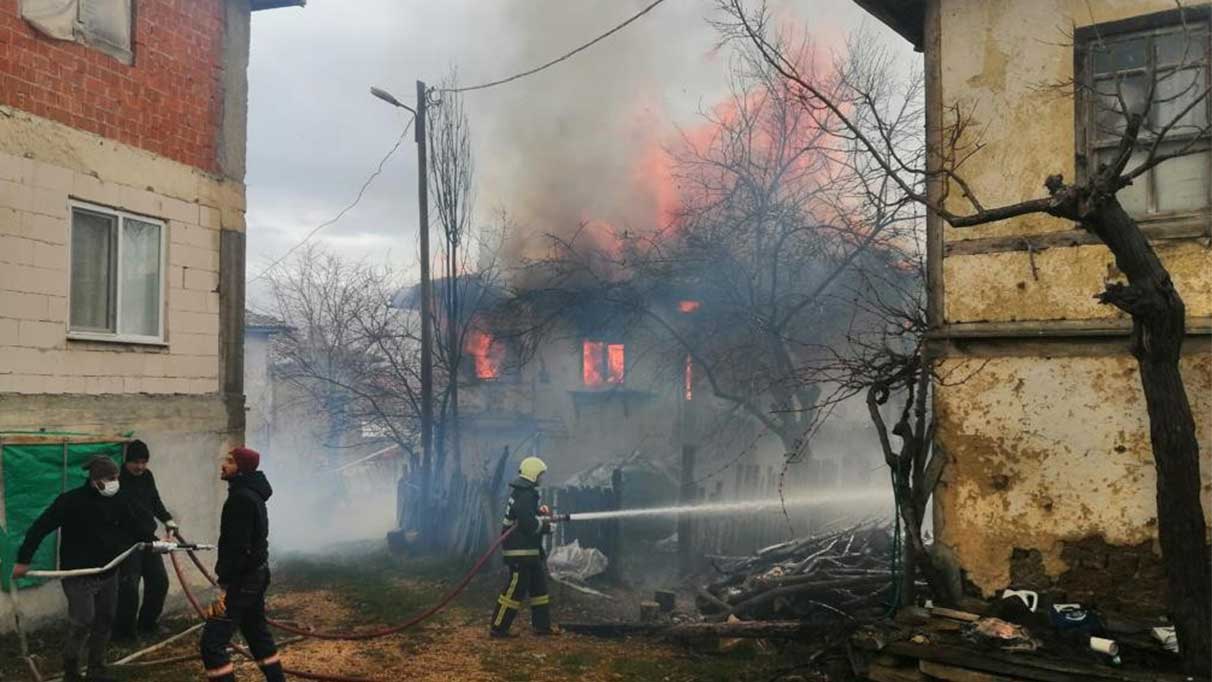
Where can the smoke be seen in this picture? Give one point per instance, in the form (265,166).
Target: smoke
(583,140)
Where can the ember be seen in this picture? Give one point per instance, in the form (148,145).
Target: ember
(688,306)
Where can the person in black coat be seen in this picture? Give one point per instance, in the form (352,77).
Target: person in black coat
(139,485)
(242,570)
(96,525)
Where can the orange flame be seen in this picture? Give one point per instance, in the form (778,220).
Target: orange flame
(486,352)
(688,306)
(603,363)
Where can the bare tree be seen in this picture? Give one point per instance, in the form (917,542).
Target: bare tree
(737,289)
(1164,120)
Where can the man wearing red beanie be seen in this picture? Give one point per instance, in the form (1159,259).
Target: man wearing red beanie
(243,572)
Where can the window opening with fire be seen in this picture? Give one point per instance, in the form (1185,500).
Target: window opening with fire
(602,363)
(487,354)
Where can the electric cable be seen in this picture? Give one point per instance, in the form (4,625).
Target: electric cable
(378,170)
(491,84)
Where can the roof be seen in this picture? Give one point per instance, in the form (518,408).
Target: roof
(906,17)
(256,322)
(275,4)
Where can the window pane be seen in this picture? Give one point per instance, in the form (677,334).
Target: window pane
(92,275)
(1181,47)
(140,286)
(1182,183)
(1175,92)
(1125,54)
(1110,119)
(593,364)
(617,363)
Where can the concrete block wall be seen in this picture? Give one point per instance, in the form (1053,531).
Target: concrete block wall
(37,356)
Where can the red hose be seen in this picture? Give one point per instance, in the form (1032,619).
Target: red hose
(375,634)
(246,653)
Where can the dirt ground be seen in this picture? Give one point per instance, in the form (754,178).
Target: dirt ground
(376,590)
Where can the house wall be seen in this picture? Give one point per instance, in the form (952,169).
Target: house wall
(147,139)
(1049,480)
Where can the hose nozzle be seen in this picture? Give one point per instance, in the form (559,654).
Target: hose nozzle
(557,518)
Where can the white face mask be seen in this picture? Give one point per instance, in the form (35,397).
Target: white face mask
(109,488)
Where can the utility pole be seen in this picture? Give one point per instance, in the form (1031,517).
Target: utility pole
(426,287)
(426,291)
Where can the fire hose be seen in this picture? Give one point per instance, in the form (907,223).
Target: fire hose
(358,636)
(170,547)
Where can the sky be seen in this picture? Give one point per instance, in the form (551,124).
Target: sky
(548,148)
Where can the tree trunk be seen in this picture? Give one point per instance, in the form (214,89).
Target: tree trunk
(1158,331)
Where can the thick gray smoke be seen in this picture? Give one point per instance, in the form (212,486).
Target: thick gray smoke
(579,141)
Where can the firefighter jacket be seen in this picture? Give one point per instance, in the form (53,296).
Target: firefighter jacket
(523,511)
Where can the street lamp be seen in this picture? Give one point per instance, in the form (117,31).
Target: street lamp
(426,283)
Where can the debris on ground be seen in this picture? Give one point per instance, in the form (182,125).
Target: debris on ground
(836,574)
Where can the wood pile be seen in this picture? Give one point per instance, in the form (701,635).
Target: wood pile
(829,575)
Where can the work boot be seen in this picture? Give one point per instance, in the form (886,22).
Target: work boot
(97,673)
(549,631)
(273,672)
(500,634)
(71,670)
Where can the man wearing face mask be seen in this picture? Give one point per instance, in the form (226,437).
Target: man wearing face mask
(96,525)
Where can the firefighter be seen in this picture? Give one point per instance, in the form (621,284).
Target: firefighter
(242,570)
(524,554)
(96,524)
(139,486)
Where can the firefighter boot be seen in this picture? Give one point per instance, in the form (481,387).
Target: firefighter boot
(540,616)
(71,670)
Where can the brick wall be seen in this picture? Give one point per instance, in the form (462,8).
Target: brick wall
(168,102)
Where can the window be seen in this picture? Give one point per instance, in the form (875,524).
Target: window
(1117,64)
(101,24)
(117,276)
(602,363)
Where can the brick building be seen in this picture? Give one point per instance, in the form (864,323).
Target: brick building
(122,161)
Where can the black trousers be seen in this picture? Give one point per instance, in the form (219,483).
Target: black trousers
(245,613)
(527,585)
(90,615)
(147,567)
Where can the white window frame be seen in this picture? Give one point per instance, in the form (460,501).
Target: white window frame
(117,337)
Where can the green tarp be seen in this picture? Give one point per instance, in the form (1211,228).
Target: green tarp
(34,475)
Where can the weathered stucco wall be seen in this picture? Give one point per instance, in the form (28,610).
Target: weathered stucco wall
(1045,452)
(1049,480)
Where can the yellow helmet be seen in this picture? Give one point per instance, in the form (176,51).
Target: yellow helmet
(531,468)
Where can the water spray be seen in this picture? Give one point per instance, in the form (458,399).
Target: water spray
(727,507)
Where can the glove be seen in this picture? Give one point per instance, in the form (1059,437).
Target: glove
(171,526)
(544,510)
(217,608)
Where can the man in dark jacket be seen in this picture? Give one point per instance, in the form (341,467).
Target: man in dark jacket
(96,525)
(139,487)
(524,554)
(243,572)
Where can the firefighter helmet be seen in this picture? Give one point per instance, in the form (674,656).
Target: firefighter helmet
(531,469)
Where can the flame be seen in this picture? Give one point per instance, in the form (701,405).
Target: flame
(591,363)
(616,362)
(688,306)
(486,352)
(688,378)
(603,363)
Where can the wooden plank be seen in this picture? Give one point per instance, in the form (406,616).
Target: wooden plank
(877,672)
(1196,326)
(953,674)
(1192,228)
(954,614)
(1023,666)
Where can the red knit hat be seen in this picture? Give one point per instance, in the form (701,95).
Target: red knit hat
(247,460)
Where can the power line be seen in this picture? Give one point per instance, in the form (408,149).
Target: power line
(557,60)
(378,170)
